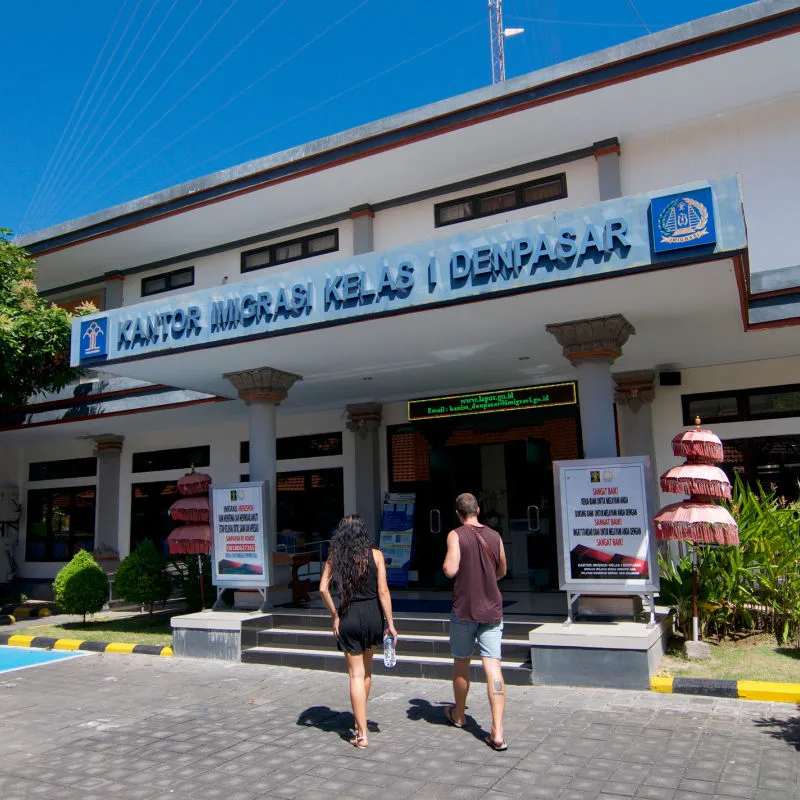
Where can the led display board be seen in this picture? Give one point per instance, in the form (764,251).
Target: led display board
(519,399)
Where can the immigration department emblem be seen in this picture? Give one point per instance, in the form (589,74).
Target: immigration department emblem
(682,220)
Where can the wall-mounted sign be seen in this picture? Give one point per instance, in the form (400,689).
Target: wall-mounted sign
(588,243)
(519,399)
(240,521)
(681,220)
(397,534)
(605,536)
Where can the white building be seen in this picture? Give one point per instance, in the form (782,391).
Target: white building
(574,173)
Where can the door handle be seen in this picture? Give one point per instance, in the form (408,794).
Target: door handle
(533,527)
(435,521)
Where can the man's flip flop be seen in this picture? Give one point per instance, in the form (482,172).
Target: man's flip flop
(493,744)
(448,715)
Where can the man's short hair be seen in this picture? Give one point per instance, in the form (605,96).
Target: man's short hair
(467,504)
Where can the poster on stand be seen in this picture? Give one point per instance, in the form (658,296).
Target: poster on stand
(239,523)
(605,533)
(397,532)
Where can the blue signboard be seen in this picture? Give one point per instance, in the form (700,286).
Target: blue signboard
(588,243)
(94,338)
(682,220)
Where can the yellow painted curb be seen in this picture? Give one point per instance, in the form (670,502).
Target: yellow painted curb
(68,644)
(18,640)
(120,647)
(663,685)
(769,691)
(166,652)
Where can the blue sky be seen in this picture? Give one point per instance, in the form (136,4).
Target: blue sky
(108,100)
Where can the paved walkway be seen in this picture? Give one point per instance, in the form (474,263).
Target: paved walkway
(103,727)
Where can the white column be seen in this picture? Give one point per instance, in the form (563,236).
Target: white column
(364,420)
(263,390)
(592,346)
(108,450)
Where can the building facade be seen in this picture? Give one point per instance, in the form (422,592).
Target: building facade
(574,263)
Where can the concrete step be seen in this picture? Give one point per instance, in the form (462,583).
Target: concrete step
(407,666)
(436,626)
(410,644)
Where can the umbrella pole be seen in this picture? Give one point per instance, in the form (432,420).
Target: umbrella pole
(202,588)
(695,619)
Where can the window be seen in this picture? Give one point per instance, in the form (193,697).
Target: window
(772,461)
(180,458)
(319,444)
(60,470)
(60,522)
(168,281)
(741,405)
(293,250)
(525,194)
(150,520)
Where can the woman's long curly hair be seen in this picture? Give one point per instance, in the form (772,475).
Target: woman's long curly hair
(349,558)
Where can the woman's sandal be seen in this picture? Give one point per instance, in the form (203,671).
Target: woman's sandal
(494,745)
(358,740)
(448,715)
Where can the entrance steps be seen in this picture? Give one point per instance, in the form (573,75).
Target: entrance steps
(304,639)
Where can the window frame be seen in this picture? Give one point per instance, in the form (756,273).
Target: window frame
(167,281)
(743,398)
(184,457)
(303,241)
(474,200)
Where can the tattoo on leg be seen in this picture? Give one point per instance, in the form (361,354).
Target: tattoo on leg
(498,687)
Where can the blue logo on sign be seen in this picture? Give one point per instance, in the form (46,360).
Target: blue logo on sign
(94,338)
(682,220)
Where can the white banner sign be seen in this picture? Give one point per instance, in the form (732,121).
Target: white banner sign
(240,520)
(605,531)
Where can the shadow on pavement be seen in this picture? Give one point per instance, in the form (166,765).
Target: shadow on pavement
(787,730)
(330,721)
(434,715)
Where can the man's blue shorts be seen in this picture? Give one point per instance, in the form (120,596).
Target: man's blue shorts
(464,634)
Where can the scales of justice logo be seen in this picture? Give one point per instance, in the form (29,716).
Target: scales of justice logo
(684,219)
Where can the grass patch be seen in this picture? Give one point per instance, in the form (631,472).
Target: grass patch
(140,629)
(755,657)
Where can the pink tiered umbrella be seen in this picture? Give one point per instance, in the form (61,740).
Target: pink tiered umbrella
(194,538)
(699,519)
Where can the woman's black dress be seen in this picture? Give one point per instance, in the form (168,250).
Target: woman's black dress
(361,627)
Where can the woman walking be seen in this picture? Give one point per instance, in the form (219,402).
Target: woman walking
(365,607)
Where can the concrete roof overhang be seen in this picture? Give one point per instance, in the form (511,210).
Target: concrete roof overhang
(688,316)
(705,68)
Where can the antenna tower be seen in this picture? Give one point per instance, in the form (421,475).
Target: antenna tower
(497,36)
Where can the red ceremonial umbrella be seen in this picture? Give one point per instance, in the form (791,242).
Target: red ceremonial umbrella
(698,520)
(194,538)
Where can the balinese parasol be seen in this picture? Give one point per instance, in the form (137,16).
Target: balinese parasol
(194,483)
(699,519)
(190,509)
(194,538)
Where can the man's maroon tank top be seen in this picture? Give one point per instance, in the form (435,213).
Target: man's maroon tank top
(476,595)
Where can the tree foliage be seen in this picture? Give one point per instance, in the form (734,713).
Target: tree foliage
(81,586)
(142,577)
(34,334)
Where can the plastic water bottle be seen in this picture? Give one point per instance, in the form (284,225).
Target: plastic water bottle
(389,655)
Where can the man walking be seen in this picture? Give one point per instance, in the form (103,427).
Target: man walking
(477,560)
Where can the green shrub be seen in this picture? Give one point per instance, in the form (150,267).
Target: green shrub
(81,587)
(142,577)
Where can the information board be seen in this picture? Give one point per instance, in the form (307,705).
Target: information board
(605,535)
(239,522)
(397,533)
(518,399)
